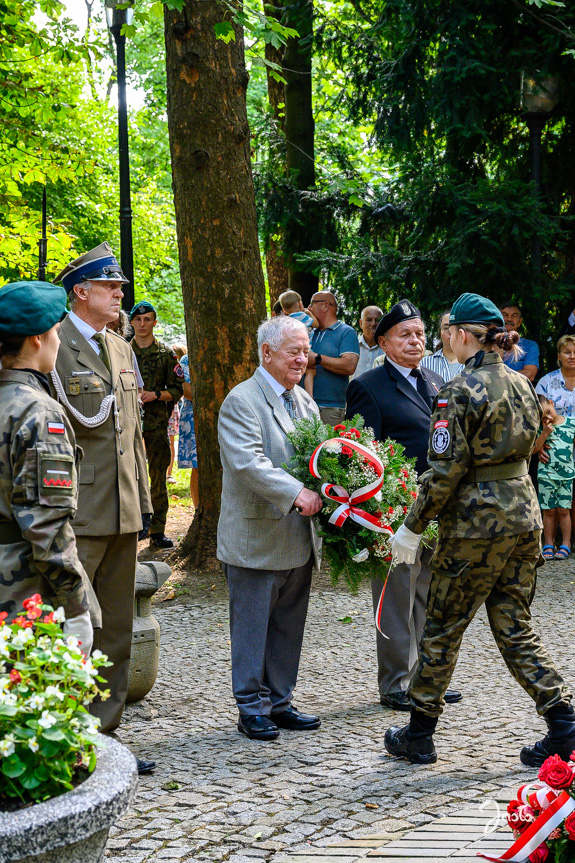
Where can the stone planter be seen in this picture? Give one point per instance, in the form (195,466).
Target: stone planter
(73,828)
(145,656)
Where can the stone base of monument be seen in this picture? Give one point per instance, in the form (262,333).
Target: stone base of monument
(74,827)
(150,576)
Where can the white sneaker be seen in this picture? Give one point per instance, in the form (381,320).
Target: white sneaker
(172,480)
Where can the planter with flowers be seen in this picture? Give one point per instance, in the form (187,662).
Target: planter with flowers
(58,797)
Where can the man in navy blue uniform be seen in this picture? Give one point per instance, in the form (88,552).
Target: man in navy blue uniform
(395,400)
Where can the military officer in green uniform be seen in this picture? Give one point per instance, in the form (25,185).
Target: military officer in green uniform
(38,465)
(483,428)
(163,387)
(94,380)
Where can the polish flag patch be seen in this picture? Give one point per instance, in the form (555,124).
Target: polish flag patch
(441,403)
(56,428)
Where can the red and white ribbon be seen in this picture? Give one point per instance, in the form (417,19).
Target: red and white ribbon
(337,493)
(538,795)
(537,833)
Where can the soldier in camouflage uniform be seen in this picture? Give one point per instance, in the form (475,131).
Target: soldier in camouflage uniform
(163,387)
(38,465)
(483,428)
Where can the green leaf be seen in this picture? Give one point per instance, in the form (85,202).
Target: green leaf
(355,199)
(12,766)
(225,31)
(53,733)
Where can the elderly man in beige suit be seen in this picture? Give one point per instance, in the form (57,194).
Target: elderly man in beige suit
(266,541)
(95,381)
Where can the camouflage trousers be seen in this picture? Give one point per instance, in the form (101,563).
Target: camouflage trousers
(502,574)
(159,457)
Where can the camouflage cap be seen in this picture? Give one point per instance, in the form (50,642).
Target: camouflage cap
(97,265)
(475,309)
(142,308)
(31,308)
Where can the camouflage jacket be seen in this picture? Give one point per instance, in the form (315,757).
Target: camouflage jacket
(38,496)
(486,416)
(160,370)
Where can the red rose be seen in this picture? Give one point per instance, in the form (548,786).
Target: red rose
(570,825)
(15,676)
(556,773)
(339,428)
(347,451)
(540,854)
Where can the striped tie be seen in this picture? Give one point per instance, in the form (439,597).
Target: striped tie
(289,403)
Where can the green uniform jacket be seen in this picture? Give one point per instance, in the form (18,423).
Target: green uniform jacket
(113,477)
(38,497)
(160,370)
(486,416)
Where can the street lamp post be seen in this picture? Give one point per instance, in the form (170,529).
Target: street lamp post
(538,98)
(119,13)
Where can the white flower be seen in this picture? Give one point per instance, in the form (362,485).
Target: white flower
(47,720)
(59,615)
(33,745)
(72,641)
(92,726)
(2,670)
(332,446)
(96,654)
(72,660)
(22,637)
(7,746)
(8,698)
(361,556)
(54,692)
(4,683)
(36,702)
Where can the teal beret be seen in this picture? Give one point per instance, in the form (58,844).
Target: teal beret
(142,308)
(474,309)
(31,308)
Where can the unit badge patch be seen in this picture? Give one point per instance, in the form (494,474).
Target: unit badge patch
(441,437)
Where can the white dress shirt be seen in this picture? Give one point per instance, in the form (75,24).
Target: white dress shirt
(87,331)
(406,372)
(278,388)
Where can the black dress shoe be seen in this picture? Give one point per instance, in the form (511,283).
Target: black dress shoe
(258,727)
(145,767)
(160,540)
(452,696)
(293,720)
(418,751)
(396,700)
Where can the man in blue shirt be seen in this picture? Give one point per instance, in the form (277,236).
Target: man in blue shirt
(528,362)
(334,355)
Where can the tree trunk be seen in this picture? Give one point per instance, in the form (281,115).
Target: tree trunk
(220,265)
(299,131)
(277,271)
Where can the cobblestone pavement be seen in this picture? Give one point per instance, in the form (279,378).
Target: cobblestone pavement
(217,796)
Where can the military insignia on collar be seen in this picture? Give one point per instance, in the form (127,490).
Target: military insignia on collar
(441,437)
(405,309)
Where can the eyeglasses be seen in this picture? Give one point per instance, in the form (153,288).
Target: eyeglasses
(445,328)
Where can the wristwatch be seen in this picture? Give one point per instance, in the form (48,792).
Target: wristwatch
(158,393)
(318,359)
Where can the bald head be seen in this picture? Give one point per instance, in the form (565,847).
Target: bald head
(324,306)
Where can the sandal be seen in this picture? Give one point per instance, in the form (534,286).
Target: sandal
(562,552)
(548,552)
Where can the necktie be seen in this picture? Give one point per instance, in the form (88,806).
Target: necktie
(422,387)
(104,355)
(289,403)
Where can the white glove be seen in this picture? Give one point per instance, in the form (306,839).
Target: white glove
(81,627)
(404,546)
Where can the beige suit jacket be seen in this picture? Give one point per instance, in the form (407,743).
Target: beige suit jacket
(113,478)
(258,527)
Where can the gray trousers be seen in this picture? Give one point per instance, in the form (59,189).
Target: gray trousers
(402,620)
(268,609)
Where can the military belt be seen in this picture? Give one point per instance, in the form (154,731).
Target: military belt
(9,533)
(491,472)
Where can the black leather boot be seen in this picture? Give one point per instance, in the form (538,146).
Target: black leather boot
(560,739)
(413,741)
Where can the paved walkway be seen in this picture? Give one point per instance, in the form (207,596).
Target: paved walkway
(217,796)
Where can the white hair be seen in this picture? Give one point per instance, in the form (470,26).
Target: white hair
(273,331)
(73,296)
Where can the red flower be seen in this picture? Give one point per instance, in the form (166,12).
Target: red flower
(3,616)
(34,613)
(392,451)
(15,676)
(514,819)
(48,618)
(354,433)
(413,493)
(404,510)
(347,451)
(32,601)
(390,509)
(540,854)
(570,825)
(403,485)
(387,559)
(405,471)
(339,428)
(556,772)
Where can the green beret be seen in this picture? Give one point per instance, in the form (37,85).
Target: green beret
(31,308)
(474,309)
(142,308)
